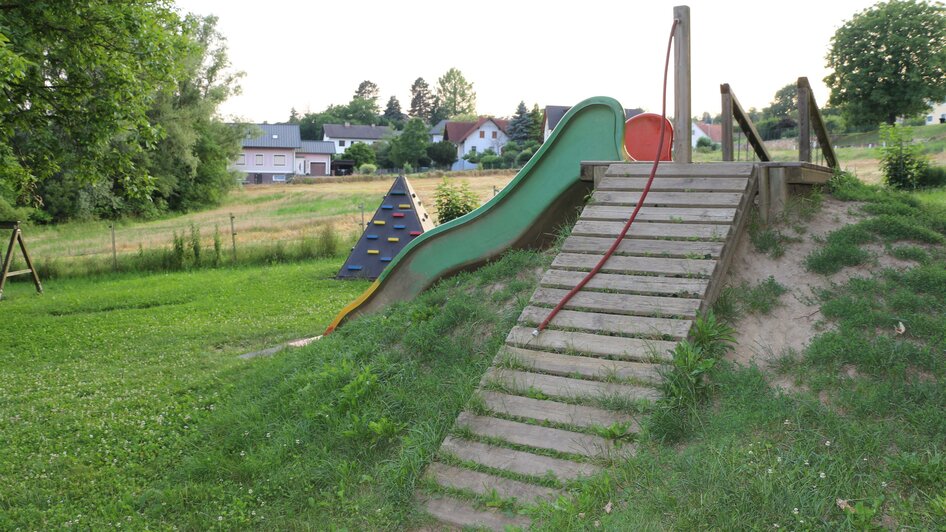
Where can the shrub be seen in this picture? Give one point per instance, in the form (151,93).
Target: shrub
(367,168)
(902,162)
(454,201)
(934,176)
(195,244)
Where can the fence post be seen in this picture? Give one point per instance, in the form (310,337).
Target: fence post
(362,207)
(233,236)
(682,137)
(114,250)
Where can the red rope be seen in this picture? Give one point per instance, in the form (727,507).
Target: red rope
(640,202)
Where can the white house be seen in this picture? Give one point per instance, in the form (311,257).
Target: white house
(344,135)
(485,133)
(937,114)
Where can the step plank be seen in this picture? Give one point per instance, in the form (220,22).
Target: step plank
(652,230)
(629,284)
(670,184)
(665,169)
(516,461)
(483,483)
(461,513)
(666,199)
(609,323)
(587,367)
(593,344)
(644,246)
(553,411)
(567,386)
(659,214)
(558,440)
(622,264)
(610,303)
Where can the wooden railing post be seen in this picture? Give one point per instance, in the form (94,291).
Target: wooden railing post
(804,121)
(683,133)
(727,122)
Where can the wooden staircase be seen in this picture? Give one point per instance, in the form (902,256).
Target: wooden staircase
(545,411)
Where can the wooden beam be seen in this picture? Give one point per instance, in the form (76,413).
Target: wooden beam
(804,121)
(683,134)
(727,122)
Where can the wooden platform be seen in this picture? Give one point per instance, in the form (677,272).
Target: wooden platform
(539,418)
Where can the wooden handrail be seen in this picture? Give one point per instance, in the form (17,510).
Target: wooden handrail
(732,109)
(809,115)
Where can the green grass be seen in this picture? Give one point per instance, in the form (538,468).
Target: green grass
(131,407)
(857,445)
(107,383)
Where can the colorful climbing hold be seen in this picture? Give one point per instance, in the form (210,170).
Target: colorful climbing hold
(354,267)
(387,206)
(371,237)
(415,233)
(373,252)
(380,222)
(398,215)
(400,226)
(394,239)
(404,206)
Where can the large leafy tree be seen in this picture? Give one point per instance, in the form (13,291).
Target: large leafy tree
(361,153)
(78,81)
(422,101)
(410,147)
(455,94)
(521,124)
(889,61)
(442,153)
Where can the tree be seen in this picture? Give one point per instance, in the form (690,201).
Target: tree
(293,116)
(889,61)
(367,90)
(392,112)
(784,104)
(443,154)
(536,133)
(422,101)
(359,152)
(520,125)
(455,94)
(77,78)
(410,147)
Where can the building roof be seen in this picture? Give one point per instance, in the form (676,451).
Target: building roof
(275,136)
(554,114)
(317,146)
(351,131)
(438,127)
(713,131)
(457,132)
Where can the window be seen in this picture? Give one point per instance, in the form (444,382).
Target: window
(241,159)
(494,134)
(279,178)
(279,160)
(259,159)
(341,144)
(929,118)
(482,134)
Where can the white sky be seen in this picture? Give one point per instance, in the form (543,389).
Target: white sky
(309,54)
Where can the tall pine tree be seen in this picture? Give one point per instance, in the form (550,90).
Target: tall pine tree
(422,101)
(393,114)
(536,132)
(521,124)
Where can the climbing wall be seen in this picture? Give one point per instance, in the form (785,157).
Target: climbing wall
(548,410)
(400,218)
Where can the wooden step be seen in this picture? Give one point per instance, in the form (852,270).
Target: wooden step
(715,232)
(597,322)
(553,411)
(567,387)
(622,264)
(610,303)
(671,184)
(627,284)
(593,344)
(667,199)
(587,367)
(484,484)
(558,440)
(461,513)
(514,461)
(659,214)
(644,247)
(668,169)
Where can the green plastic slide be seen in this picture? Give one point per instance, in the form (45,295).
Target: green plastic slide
(522,215)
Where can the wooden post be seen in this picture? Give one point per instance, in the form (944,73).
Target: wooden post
(114,250)
(233,236)
(727,122)
(804,121)
(683,133)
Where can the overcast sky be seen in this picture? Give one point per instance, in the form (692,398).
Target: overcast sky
(309,54)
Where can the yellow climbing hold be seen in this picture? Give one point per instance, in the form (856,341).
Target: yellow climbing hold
(394,239)
(373,252)
(379,222)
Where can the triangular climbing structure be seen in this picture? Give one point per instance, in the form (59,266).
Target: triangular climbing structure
(399,219)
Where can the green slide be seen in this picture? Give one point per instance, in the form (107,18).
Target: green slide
(522,215)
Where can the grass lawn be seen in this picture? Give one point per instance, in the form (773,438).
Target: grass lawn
(106,383)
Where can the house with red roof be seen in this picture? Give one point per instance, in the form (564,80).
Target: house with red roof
(479,136)
(713,131)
